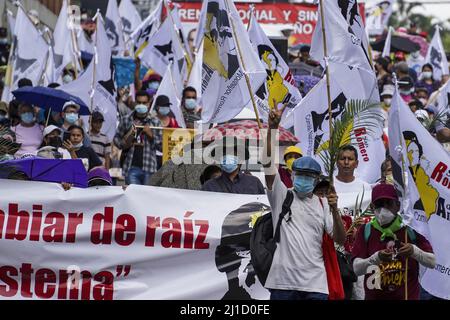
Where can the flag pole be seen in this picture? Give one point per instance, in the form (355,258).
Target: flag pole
(186,56)
(327,70)
(243,66)
(75,47)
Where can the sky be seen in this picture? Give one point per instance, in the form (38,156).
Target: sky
(440,11)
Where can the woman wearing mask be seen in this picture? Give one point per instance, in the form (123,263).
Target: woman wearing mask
(28,133)
(426,79)
(52,139)
(78,151)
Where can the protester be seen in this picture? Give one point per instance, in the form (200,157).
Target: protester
(385,251)
(139,142)
(384,77)
(232,179)
(78,151)
(406,88)
(346,183)
(99,141)
(99,176)
(297,270)
(52,143)
(305,57)
(28,132)
(422,95)
(386,98)
(189,107)
(290,155)
(162,107)
(386,172)
(426,79)
(70,111)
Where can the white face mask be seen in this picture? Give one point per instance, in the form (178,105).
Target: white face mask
(384,216)
(387,101)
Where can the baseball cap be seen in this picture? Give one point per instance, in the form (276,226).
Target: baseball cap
(162,100)
(99,173)
(97,116)
(72,104)
(306,164)
(384,191)
(49,129)
(388,90)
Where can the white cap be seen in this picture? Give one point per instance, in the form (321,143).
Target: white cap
(50,129)
(71,103)
(388,90)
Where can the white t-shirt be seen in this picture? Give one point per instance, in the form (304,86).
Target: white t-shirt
(298,260)
(349,192)
(30,138)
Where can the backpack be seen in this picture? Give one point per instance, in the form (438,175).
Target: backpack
(263,241)
(368,229)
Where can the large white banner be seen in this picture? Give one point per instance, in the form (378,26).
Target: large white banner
(141,243)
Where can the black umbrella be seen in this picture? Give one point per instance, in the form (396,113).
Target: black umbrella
(397,44)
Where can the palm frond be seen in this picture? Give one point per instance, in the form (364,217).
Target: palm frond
(358,116)
(432,121)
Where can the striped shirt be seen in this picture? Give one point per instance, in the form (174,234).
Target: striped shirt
(101,145)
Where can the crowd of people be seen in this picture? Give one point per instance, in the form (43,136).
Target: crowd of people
(373,237)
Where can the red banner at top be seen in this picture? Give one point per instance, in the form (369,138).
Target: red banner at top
(300,19)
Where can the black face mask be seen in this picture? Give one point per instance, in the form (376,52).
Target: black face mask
(55,142)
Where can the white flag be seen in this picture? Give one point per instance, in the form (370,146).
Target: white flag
(387,44)
(436,56)
(146,29)
(102,91)
(425,191)
(11,21)
(65,50)
(83,43)
(114,29)
(442,101)
(130,17)
(180,29)
(165,47)
(224,89)
(169,89)
(195,77)
(312,124)
(377,15)
(279,87)
(30,52)
(345,35)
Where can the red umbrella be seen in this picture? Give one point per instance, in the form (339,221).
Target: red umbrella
(246,130)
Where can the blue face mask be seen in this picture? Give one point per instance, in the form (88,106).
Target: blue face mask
(141,108)
(190,104)
(164,111)
(71,117)
(229,163)
(2,117)
(304,185)
(153,85)
(27,117)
